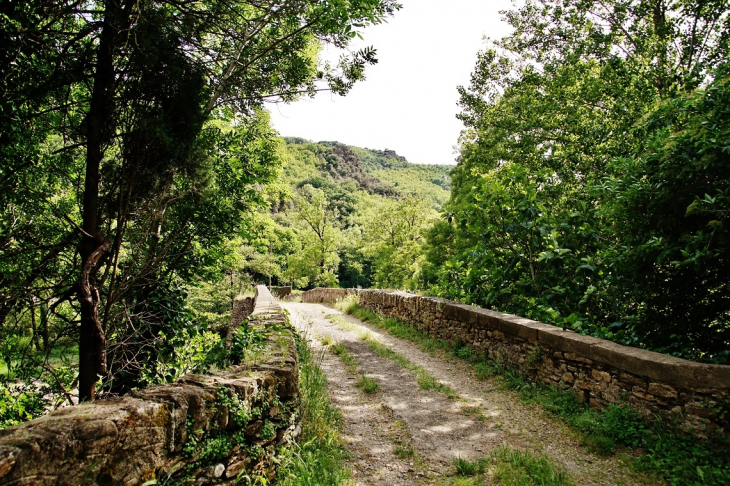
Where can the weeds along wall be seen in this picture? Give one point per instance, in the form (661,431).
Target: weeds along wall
(694,396)
(212,429)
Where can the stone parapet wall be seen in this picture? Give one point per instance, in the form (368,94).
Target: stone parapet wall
(239,416)
(326,296)
(281,291)
(695,396)
(242,308)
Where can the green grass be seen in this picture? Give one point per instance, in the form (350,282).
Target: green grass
(512,467)
(340,322)
(348,359)
(347,304)
(404,451)
(318,456)
(367,385)
(679,458)
(466,481)
(425,382)
(465,467)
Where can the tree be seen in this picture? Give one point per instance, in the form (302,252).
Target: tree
(318,258)
(393,237)
(569,101)
(126,90)
(669,206)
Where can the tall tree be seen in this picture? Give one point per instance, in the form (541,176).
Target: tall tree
(127,88)
(552,111)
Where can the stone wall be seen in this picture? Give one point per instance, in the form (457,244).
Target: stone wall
(694,395)
(238,416)
(281,292)
(242,308)
(323,295)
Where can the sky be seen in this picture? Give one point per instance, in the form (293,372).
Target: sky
(408,103)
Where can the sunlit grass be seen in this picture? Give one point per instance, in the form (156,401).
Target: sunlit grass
(425,381)
(347,359)
(465,467)
(367,385)
(347,304)
(318,456)
(341,322)
(513,467)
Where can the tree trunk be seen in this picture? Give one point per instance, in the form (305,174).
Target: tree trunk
(92,344)
(44,324)
(36,341)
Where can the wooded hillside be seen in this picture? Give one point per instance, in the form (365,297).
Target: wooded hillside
(345,216)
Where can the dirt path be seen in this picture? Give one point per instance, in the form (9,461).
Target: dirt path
(405,435)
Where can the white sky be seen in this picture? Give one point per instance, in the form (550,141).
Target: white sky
(408,101)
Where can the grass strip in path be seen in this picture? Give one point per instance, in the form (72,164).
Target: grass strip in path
(367,385)
(509,467)
(425,381)
(678,458)
(512,467)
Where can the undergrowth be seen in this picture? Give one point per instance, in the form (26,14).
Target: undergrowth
(679,458)
(318,456)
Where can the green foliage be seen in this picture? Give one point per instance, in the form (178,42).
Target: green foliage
(345,226)
(21,402)
(431,182)
(196,350)
(670,206)
(212,446)
(367,385)
(591,187)
(190,353)
(465,467)
(135,148)
(322,238)
(319,454)
(393,237)
(247,340)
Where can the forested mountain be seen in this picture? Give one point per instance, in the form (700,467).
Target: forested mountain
(344,216)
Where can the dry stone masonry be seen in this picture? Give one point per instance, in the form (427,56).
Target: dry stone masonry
(320,295)
(695,396)
(150,433)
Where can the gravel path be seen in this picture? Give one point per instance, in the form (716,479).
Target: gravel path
(380,428)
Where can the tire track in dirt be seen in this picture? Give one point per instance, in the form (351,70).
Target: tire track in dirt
(438,429)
